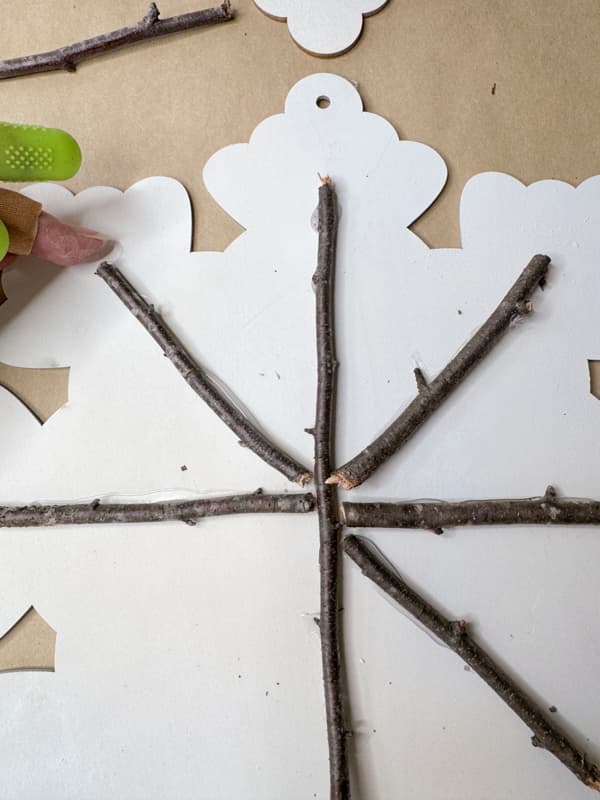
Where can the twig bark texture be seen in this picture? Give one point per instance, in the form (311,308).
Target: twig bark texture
(329,528)
(435,516)
(431,396)
(198,379)
(149,27)
(188,511)
(455,634)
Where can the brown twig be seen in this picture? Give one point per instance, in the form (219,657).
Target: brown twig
(435,516)
(198,379)
(455,634)
(188,511)
(431,396)
(329,528)
(149,27)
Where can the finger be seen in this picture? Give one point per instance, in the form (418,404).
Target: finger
(7,260)
(65,244)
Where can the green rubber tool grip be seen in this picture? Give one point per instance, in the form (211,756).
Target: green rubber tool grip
(3,240)
(31,153)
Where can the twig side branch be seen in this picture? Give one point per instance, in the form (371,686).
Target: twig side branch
(198,379)
(188,511)
(435,516)
(431,396)
(149,27)
(455,634)
(329,528)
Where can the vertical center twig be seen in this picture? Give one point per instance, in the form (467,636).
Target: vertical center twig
(329,527)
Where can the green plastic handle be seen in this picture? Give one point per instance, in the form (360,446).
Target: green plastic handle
(3,240)
(31,153)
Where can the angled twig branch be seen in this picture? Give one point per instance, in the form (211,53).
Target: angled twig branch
(455,634)
(432,395)
(149,27)
(329,528)
(188,511)
(198,379)
(435,516)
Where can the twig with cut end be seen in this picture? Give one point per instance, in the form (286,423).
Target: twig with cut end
(432,395)
(198,379)
(455,634)
(149,27)
(188,511)
(329,528)
(437,515)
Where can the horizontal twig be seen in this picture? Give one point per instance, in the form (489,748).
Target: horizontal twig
(198,379)
(188,511)
(437,515)
(431,396)
(149,27)
(455,634)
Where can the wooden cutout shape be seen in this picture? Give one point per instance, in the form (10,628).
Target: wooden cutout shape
(248,313)
(322,27)
(42,391)
(29,645)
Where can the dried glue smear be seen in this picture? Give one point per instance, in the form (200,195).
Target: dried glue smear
(161,496)
(381,557)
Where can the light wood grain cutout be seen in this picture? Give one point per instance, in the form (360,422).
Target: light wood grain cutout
(42,390)
(29,645)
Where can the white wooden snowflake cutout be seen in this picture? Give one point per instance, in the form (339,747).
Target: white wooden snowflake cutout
(322,27)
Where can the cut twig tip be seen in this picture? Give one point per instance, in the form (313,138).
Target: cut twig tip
(593,783)
(325,180)
(340,479)
(304,479)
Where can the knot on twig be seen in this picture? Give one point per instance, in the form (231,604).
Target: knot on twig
(95,503)
(536,742)
(69,65)
(151,16)
(437,531)
(459,629)
(524,307)
(550,494)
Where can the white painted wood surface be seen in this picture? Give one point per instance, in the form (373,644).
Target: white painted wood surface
(187,661)
(323,27)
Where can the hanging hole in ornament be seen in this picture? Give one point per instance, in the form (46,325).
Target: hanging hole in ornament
(323,101)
